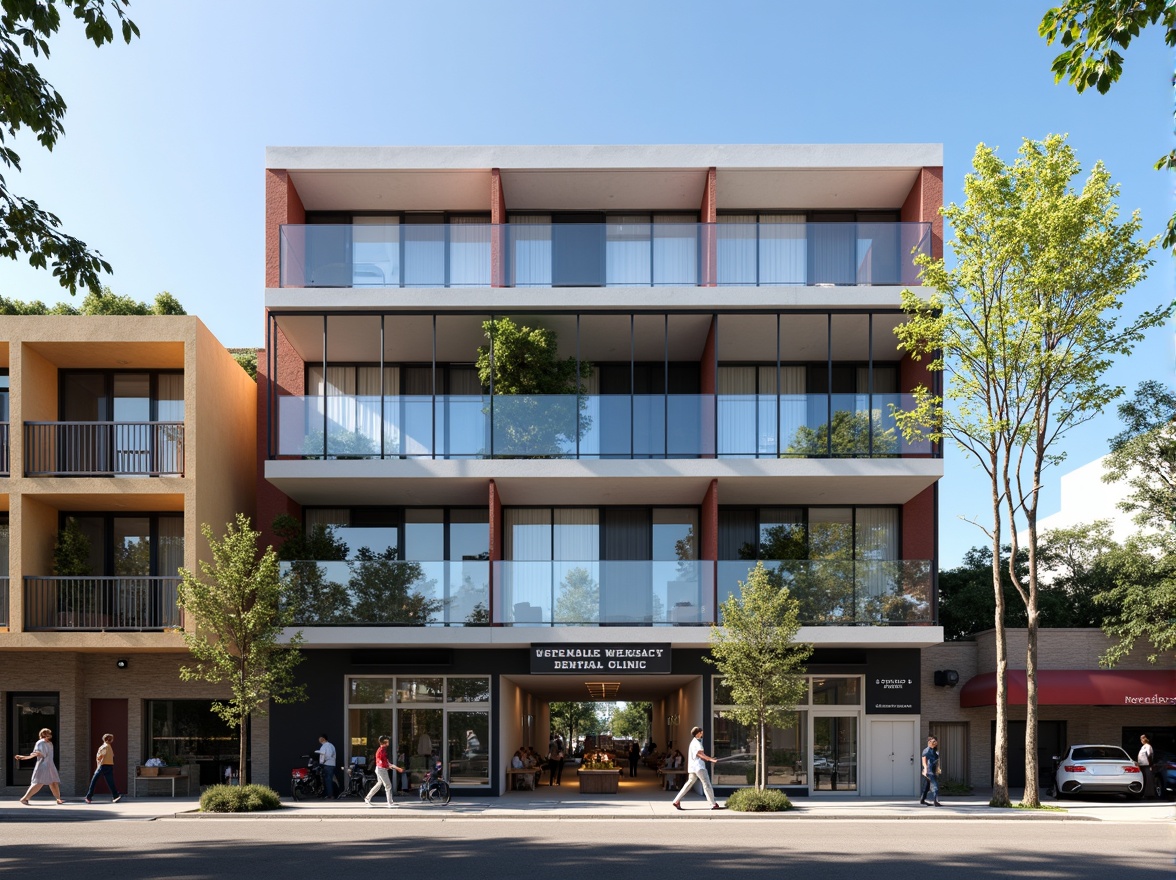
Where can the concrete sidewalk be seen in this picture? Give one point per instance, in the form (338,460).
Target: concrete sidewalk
(567,803)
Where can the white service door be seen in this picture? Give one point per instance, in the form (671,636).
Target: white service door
(894,770)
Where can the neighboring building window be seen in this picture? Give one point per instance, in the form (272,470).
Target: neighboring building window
(4,391)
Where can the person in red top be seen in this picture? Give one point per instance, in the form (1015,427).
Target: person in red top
(383,765)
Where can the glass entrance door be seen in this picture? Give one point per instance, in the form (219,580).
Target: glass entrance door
(835,753)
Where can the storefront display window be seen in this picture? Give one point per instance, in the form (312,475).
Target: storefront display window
(427,718)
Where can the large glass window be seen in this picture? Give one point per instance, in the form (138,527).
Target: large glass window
(189,732)
(27,714)
(427,718)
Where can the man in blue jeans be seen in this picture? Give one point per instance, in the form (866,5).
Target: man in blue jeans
(930,773)
(104,769)
(326,753)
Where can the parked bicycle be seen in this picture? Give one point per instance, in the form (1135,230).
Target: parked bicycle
(434,788)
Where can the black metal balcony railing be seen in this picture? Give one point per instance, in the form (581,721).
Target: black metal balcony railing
(5,468)
(97,449)
(616,254)
(4,601)
(123,603)
(598,592)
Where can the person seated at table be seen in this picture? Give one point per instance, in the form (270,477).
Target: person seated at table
(522,780)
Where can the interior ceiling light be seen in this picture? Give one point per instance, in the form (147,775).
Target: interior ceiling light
(605,691)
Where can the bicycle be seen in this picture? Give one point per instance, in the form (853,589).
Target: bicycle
(435,791)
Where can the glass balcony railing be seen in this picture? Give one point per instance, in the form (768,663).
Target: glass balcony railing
(604,593)
(376,590)
(617,254)
(373,591)
(127,603)
(845,592)
(595,426)
(96,449)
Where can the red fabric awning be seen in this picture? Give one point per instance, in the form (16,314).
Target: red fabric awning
(1078,687)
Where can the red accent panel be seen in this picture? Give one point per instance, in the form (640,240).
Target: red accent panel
(708,215)
(110,716)
(282,205)
(918,526)
(1078,687)
(922,206)
(497,233)
(495,523)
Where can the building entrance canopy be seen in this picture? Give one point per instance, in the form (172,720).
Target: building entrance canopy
(1078,687)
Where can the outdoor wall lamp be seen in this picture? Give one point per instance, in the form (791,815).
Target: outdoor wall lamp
(946,678)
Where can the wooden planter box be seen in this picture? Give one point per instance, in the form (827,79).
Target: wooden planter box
(599,781)
(148,771)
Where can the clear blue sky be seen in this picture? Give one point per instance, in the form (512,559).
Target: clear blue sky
(161,166)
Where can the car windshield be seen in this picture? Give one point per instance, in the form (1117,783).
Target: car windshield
(1094,753)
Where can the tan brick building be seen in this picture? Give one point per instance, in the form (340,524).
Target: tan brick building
(106,424)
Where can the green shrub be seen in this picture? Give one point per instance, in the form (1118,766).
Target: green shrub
(239,799)
(748,800)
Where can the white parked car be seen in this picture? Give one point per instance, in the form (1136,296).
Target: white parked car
(1096,769)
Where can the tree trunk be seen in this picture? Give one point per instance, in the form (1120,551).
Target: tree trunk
(761,773)
(1000,755)
(242,775)
(1031,797)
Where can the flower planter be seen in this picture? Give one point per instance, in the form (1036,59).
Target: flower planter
(599,781)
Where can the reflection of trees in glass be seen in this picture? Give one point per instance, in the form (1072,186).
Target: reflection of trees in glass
(340,444)
(311,596)
(521,365)
(853,433)
(897,592)
(480,616)
(386,590)
(579,598)
(816,566)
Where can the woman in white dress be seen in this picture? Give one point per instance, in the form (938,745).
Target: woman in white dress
(45,771)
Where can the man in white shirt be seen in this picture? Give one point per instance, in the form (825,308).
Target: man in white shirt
(326,753)
(696,764)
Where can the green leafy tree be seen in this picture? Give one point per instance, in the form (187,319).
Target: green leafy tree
(105,302)
(1091,33)
(1143,455)
(1025,327)
(386,590)
(1075,565)
(633,720)
(579,598)
(966,602)
(235,625)
(522,366)
(247,358)
(1141,605)
(28,101)
(312,596)
(756,653)
(571,720)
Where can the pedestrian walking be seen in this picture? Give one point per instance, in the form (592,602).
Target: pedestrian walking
(634,757)
(697,767)
(931,771)
(104,769)
(1146,760)
(383,776)
(44,771)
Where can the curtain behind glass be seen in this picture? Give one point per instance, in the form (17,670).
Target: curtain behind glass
(737,410)
(530,251)
(736,249)
(627,249)
(527,587)
(783,249)
(170,553)
(469,252)
(675,249)
(169,405)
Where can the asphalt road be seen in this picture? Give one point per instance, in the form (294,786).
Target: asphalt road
(571,849)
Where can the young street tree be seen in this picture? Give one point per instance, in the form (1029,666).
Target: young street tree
(237,619)
(1025,327)
(761,664)
(28,101)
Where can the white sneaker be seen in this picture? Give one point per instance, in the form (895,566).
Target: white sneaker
(366,801)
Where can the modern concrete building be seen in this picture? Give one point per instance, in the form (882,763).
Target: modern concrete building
(127,433)
(730,313)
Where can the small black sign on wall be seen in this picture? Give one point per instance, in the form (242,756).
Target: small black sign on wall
(892,682)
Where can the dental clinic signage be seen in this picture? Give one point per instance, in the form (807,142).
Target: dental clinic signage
(608,657)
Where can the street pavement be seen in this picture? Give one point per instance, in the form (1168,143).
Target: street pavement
(566,803)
